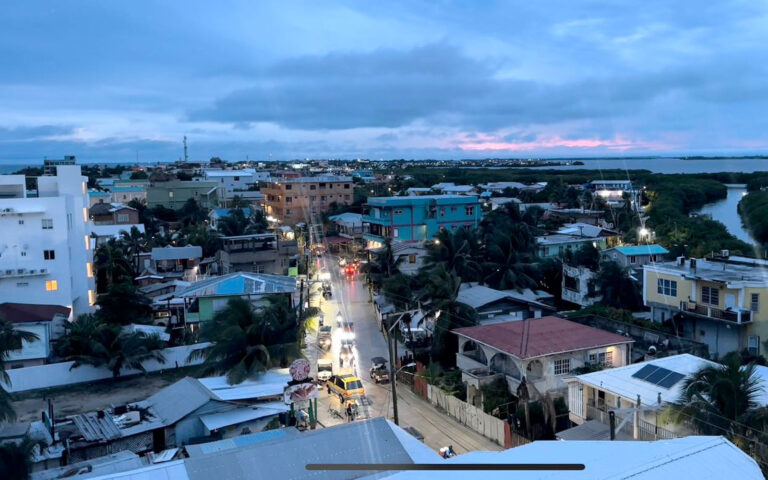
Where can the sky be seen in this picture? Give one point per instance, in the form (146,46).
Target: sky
(120,81)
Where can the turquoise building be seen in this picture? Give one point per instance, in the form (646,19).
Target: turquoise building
(417,218)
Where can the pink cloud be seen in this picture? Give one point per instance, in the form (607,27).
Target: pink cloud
(486,142)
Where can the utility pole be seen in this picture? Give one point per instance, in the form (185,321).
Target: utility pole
(392,346)
(186,157)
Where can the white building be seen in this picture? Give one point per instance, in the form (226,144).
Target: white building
(233,180)
(45,249)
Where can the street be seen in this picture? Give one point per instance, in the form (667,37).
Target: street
(350,297)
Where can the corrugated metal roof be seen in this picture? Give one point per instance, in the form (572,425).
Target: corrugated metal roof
(643,250)
(178,400)
(241,441)
(267,384)
(240,415)
(177,253)
(96,429)
(241,283)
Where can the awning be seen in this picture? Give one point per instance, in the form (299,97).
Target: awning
(241,415)
(336,240)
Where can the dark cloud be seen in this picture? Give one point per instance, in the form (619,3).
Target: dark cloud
(31,133)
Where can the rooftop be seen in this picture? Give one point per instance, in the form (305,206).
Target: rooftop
(128,188)
(737,270)
(421,200)
(581,229)
(223,212)
(177,253)
(115,230)
(558,239)
(540,337)
(267,384)
(641,250)
(319,178)
(28,313)
(477,296)
(241,283)
(621,381)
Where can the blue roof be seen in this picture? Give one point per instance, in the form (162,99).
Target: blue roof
(97,193)
(643,250)
(223,212)
(129,188)
(240,283)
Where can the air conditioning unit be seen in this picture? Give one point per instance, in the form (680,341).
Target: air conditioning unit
(21,270)
(9,272)
(43,270)
(7,210)
(33,272)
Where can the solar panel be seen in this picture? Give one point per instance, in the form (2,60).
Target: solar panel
(671,379)
(644,372)
(657,376)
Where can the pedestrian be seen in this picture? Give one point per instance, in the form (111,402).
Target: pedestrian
(349,412)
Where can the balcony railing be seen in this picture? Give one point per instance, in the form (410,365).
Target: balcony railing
(732,316)
(645,431)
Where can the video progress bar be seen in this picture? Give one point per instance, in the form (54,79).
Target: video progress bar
(448,466)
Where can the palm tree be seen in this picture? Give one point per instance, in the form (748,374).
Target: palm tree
(135,242)
(246,341)
(385,264)
(16,459)
(111,264)
(510,263)
(78,336)
(10,340)
(114,349)
(616,289)
(441,292)
(716,399)
(458,251)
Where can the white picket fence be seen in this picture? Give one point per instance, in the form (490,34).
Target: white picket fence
(59,374)
(486,425)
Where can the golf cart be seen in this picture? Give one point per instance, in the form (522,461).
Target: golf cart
(379,371)
(324,370)
(327,290)
(324,338)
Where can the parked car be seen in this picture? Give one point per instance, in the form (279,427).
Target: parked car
(324,370)
(345,386)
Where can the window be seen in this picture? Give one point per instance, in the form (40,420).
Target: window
(47,224)
(322,185)
(313,187)
(667,287)
(289,187)
(602,358)
(87,243)
(22,284)
(398,212)
(563,366)
(754,302)
(322,198)
(346,186)
(411,258)
(91,298)
(123,218)
(85,214)
(23,253)
(710,296)
(632,259)
(288,199)
(170,194)
(49,254)
(89,269)
(470,211)
(312,198)
(51,285)
(753,344)
(21,221)
(288,211)
(396,232)
(237,179)
(453,209)
(442,211)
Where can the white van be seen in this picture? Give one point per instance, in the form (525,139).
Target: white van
(324,370)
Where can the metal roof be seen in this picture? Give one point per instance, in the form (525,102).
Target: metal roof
(177,253)
(237,416)
(241,441)
(268,384)
(178,400)
(642,250)
(240,283)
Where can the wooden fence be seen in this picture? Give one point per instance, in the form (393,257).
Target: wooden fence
(472,417)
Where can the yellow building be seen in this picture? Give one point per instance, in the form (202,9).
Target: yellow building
(721,301)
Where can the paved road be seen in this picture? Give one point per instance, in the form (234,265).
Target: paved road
(351,298)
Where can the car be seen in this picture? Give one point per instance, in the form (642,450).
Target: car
(348,330)
(346,356)
(345,386)
(325,338)
(379,371)
(324,370)
(350,270)
(339,320)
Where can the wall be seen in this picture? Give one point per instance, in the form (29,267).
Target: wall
(651,293)
(472,417)
(59,374)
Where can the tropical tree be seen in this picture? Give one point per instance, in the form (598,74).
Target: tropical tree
(246,341)
(115,349)
(237,223)
(191,212)
(111,265)
(510,261)
(123,304)
(238,202)
(397,289)
(10,339)
(16,459)
(202,236)
(457,251)
(134,242)
(717,399)
(616,289)
(441,294)
(384,265)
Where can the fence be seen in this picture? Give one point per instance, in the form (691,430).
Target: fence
(60,374)
(646,431)
(468,415)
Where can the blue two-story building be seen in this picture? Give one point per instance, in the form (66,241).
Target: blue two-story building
(417,218)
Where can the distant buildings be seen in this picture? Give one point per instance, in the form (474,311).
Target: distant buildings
(257,253)
(417,218)
(113,214)
(232,181)
(614,191)
(297,200)
(129,193)
(45,248)
(174,194)
(721,301)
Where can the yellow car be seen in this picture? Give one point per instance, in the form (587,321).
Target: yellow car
(345,386)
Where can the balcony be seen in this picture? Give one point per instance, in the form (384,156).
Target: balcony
(477,377)
(731,316)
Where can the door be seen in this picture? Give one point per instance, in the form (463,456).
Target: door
(730,301)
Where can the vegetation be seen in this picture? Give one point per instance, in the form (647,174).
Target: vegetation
(754,214)
(237,223)
(10,339)
(248,340)
(615,288)
(16,459)
(495,395)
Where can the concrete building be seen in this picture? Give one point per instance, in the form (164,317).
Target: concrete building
(635,256)
(98,196)
(721,300)
(542,351)
(638,393)
(453,189)
(257,253)
(217,214)
(113,214)
(127,193)
(172,263)
(174,194)
(231,181)
(613,191)
(297,200)
(45,249)
(417,218)
(558,245)
(578,285)
(496,306)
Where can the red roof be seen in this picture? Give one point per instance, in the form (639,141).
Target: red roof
(28,313)
(540,336)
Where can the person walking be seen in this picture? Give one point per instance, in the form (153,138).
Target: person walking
(349,412)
